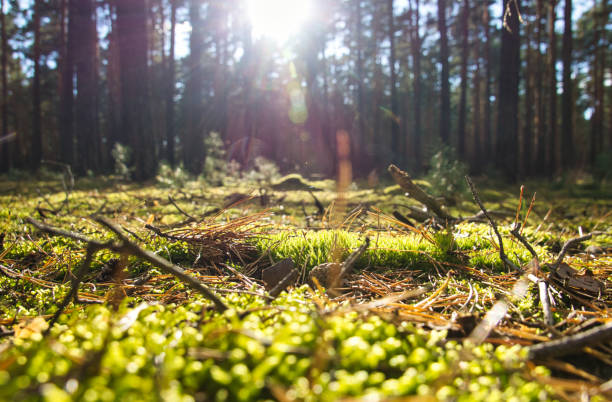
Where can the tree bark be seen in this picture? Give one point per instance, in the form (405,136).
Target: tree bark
(395,127)
(37,145)
(488,132)
(552,148)
(135,112)
(598,74)
(445,85)
(415,44)
(5,154)
(170,81)
(567,148)
(67,89)
(193,145)
(360,77)
(464,78)
(529,102)
(539,161)
(88,144)
(508,118)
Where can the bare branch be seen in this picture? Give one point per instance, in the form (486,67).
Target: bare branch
(571,344)
(126,246)
(571,243)
(404,180)
(502,254)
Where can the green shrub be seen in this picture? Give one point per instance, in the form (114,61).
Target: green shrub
(122,155)
(447,174)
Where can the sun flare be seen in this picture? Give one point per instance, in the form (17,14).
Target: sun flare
(277,19)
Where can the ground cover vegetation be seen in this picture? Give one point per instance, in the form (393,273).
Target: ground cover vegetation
(96,301)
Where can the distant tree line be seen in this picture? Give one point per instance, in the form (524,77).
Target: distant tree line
(527,92)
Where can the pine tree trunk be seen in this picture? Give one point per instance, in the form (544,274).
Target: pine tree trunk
(445,85)
(88,145)
(415,43)
(135,112)
(508,118)
(37,145)
(5,154)
(360,79)
(395,127)
(464,78)
(539,156)
(193,145)
(170,82)
(525,167)
(488,132)
(567,146)
(552,157)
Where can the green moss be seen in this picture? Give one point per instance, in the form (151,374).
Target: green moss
(152,350)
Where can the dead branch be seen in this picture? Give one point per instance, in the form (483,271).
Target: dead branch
(502,254)
(404,180)
(348,264)
(570,344)
(571,243)
(516,232)
(126,246)
(190,218)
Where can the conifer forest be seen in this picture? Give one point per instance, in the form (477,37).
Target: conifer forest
(305,200)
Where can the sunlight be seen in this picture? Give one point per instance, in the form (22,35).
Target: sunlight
(277,19)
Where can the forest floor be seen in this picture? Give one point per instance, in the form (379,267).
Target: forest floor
(271,291)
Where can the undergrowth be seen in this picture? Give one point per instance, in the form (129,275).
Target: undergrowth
(149,337)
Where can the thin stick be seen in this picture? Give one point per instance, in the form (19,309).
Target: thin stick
(404,180)
(191,217)
(92,249)
(531,204)
(162,263)
(502,254)
(126,246)
(573,242)
(545,301)
(516,232)
(570,344)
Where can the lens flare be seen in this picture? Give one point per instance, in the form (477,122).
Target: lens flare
(278,20)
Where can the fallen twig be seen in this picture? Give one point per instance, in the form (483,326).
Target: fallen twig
(190,218)
(125,246)
(570,344)
(571,243)
(404,180)
(502,254)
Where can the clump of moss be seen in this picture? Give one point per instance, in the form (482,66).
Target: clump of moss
(176,352)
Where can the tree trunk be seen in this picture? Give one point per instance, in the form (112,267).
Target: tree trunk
(476,155)
(552,157)
(135,112)
(5,154)
(539,156)
(88,145)
(415,43)
(529,102)
(488,132)
(567,146)
(464,78)
(360,80)
(193,145)
(598,72)
(67,89)
(170,81)
(445,85)
(508,118)
(395,127)
(37,146)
